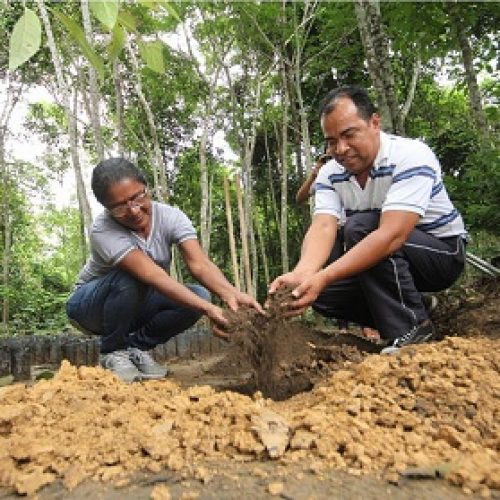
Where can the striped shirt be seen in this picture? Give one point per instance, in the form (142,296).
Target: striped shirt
(406,175)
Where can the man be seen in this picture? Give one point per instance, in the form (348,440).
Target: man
(402,235)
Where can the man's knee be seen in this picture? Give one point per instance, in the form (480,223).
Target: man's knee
(358,226)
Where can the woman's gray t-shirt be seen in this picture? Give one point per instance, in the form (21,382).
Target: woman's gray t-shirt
(110,242)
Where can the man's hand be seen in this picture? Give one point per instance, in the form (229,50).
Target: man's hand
(306,293)
(292,279)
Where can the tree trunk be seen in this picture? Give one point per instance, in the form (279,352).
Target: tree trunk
(7,232)
(284,176)
(376,44)
(120,127)
(93,87)
(410,94)
(476,106)
(70,117)
(159,176)
(230,230)
(271,185)
(263,253)
(244,238)
(12,97)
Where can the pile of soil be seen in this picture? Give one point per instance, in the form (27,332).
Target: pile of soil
(430,410)
(432,405)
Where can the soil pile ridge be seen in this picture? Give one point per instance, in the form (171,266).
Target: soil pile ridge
(430,405)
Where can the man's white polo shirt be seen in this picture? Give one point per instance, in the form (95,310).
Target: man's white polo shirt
(406,175)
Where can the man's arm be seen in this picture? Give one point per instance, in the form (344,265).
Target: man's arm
(394,229)
(316,248)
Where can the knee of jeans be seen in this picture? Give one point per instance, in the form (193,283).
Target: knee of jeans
(124,283)
(201,291)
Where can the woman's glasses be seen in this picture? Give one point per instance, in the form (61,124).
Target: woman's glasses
(135,201)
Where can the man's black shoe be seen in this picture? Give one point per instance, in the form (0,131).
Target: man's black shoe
(417,335)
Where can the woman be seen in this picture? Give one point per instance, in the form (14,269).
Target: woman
(124,292)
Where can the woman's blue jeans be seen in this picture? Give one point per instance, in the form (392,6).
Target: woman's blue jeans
(128,313)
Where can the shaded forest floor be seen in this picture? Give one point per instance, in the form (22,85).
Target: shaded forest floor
(359,426)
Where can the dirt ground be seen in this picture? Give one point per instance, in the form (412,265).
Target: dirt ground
(344,422)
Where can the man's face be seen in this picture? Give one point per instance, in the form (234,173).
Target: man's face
(353,141)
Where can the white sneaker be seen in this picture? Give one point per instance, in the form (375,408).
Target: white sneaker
(119,363)
(147,366)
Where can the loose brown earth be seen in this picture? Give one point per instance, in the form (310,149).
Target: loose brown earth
(369,419)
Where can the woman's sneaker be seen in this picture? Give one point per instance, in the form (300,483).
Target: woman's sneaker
(147,366)
(417,335)
(118,362)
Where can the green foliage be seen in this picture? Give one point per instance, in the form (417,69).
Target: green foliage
(25,40)
(106,11)
(78,35)
(152,55)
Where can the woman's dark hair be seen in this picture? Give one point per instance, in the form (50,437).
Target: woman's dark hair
(112,170)
(358,96)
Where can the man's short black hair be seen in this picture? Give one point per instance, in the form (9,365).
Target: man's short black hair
(110,171)
(358,96)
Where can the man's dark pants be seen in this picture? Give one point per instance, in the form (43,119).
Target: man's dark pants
(388,295)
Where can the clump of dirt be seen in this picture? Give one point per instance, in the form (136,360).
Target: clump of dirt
(433,405)
(286,357)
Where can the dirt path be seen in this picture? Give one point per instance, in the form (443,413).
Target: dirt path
(252,481)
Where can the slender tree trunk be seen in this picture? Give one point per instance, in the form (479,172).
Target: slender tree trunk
(93,87)
(159,176)
(271,185)
(376,44)
(120,127)
(476,106)
(7,240)
(284,177)
(263,253)
(230,230)
(12,97)
(244,238)
(70,117)
(410,94)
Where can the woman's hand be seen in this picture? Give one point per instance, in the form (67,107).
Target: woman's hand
(237,299)
(218,320)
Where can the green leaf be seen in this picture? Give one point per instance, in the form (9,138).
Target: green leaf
(152,55)
(149,4)
(25,40)
(127,20)
(117,42)
(170,8)
(76,31)
(106,11)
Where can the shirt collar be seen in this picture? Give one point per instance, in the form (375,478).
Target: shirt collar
(383,151)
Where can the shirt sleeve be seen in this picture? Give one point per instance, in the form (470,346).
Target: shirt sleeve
(413,181)
(111,244)
(182,227)
(326,199)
